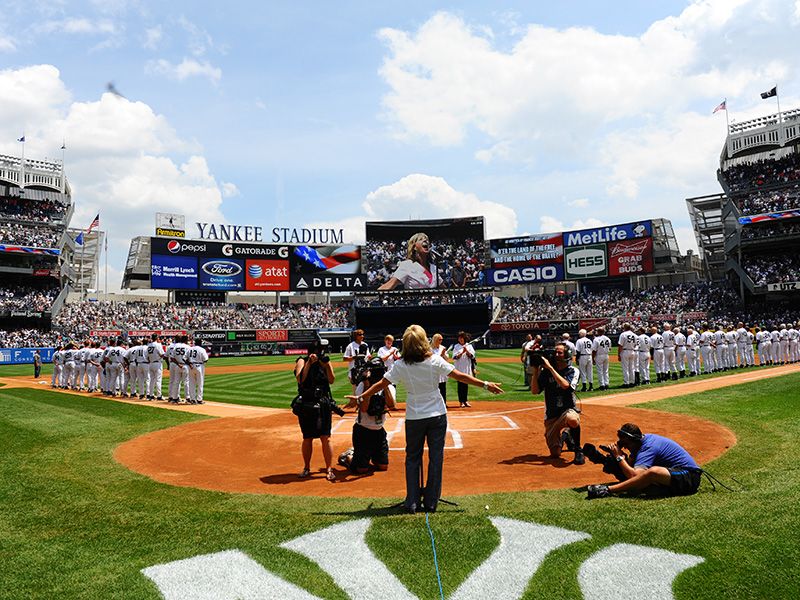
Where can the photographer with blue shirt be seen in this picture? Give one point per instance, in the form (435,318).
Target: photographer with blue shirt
(656,466)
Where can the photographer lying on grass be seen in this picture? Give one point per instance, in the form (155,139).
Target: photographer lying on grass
(661,467)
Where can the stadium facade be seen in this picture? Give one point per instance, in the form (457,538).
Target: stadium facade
(749,235)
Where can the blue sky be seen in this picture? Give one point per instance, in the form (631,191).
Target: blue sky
(540,116)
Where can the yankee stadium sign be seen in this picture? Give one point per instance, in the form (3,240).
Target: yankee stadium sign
(283,235)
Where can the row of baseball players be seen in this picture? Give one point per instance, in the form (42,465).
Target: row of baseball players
(706,350)
(116,368)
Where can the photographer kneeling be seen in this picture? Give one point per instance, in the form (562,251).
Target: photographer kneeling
(314,378)
(369,436)
(661,466)
(562,421)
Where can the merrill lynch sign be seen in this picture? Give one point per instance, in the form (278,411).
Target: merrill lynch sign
(280,235)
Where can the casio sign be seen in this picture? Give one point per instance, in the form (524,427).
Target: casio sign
(222,268)
(586,262)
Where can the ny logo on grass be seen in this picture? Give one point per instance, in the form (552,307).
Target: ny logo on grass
(618,572)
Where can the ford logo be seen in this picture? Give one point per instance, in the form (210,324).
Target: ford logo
(222,267)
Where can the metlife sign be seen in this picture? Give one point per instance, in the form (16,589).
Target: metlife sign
(612,233)
(582,262)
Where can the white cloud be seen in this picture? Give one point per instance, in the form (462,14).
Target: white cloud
(417,197)
(153,37)
(123,160)
(229,190)
(199,39)
(188,67)
(548,224)
(7,44)
(78,26)
(579,203)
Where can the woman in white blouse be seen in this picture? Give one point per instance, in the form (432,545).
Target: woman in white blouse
(426,413)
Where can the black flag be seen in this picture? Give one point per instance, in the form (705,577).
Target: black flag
(770,93)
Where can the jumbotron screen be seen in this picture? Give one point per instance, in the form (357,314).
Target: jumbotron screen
(443,253)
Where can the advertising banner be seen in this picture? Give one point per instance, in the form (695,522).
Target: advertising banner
(221,274)
(582,262)
(783,287)
(521,326)
(267,275)
(173,272)
(530,259)
(610,233)
(630,258)
(23,356)
(211,335)
(30,250)
(430,254)
(101,333)
(272,335)
(327,268)
(775,216)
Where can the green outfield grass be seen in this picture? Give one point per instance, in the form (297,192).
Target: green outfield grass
(75,524)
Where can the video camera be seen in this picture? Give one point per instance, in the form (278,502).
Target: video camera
(534,357)
(360,365)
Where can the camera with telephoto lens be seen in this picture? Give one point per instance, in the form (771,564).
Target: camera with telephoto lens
(605,458)
(372,374)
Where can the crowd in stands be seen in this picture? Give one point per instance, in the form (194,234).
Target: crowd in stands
(768,201)
(29,338)
(426,298)
(660,300)
(40,236)
(26,209)
(459,263)
(27,298)
(78,319)
(771,229)
(762,173)
(778,267)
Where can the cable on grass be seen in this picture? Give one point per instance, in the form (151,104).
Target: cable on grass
(712,479)
(435,560)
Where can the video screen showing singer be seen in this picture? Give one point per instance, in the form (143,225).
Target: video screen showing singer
(417,271)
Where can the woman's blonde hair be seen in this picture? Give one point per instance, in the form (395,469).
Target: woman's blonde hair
(411,253)
(415,344)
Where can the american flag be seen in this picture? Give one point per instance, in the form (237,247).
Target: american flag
(722,106)
(334,259)
(94,224)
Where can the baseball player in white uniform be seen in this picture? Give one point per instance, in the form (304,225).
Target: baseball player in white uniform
(583,349)
(669,352)
(93,367)
(643,376)
(80,367)
(155,368)
(139,371)
(657,342)
(775,346)
(567,342)
(751,361)
(721,348)
(730,340)
(680,351)
(707,349)
(601,346)
(794,343)
(58,362)
(114,368)
(693,351)
(180,353)
(196,359)
(784,333)
(628,355)
(69,366)
(741,345)
(764,342)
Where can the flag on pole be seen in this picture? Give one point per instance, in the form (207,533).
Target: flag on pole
(769,93)
(22,139)
(94,224)
(722,106)
(79,239)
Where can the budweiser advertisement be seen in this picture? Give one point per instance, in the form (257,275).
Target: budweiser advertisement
(631,257)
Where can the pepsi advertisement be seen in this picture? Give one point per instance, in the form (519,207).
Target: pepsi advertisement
(173,272)
(221,274)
